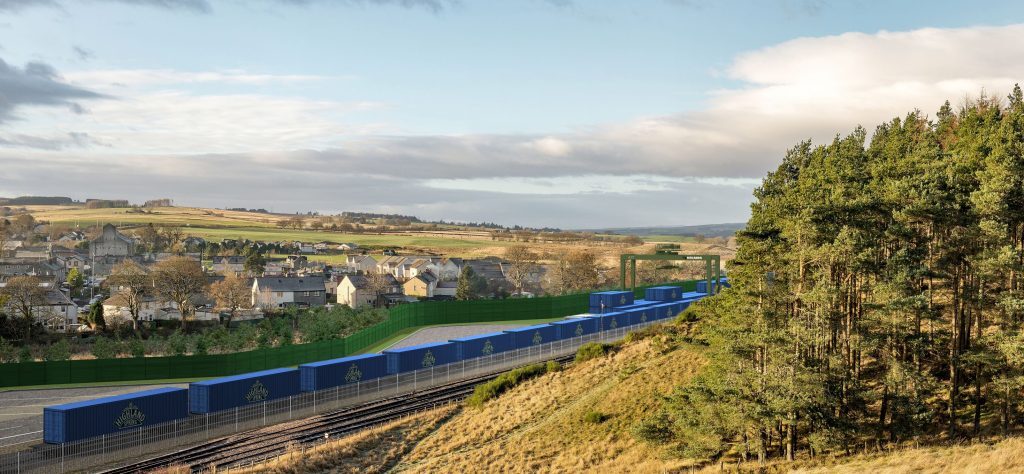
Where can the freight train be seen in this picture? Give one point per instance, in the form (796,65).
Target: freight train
(92,418)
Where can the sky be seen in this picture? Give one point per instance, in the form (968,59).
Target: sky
(560,113)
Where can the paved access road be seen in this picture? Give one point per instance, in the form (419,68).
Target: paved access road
(445,333)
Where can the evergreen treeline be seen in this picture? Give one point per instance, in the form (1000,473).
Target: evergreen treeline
(877,296)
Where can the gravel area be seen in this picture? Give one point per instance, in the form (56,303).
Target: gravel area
(21,411)
(445,333)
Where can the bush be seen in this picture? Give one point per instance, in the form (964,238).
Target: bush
(202,345)
(554,366)
(136,348)
(7,352)
(26,355)
(594,417)
(504,382)
(104,348)
(591,350)
(177,343)
(58,351)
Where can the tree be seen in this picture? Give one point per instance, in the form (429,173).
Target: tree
(379,284)
(131,284)
(470,285)
(75,280)
(180,280)
(255,263)
(23,294)
(574,271)
(523,262)
(232,293)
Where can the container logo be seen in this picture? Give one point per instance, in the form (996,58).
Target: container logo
(643,317)
(130,416)
(537,339)
(488,348)
(622,299)
(354,375)
(579,330)
(673,294)
(614,323)
(257,393)
(428,359)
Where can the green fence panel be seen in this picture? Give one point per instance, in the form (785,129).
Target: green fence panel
(58,372)
(400,317)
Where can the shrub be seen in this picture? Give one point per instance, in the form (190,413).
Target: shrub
(7,352)
(104,348)
(594,417)
(25,355)
(504,382)
(58,351)
(136,348)
(554,366)
(177,343)
(202,345)
(591,350)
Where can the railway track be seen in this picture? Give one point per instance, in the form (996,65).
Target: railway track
(265,442)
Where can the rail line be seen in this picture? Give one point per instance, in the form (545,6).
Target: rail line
(265,442)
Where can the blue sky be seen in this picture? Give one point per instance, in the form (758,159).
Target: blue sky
(566,113)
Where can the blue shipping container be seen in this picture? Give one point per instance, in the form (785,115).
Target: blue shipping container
(482,345)
(611,299)
(109,415)
(419,357)
(332,373)
(702,285)
(663,293)
(575,327)
(533,335)
(211,396)
(609,321)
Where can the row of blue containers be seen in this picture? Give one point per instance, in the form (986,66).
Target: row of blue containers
(702,286)
(87,419)
(604,301)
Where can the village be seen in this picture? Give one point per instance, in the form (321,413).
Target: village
(73,272)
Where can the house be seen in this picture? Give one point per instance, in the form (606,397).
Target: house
(32,253)
(72,237)
(446,289)
(421,285)
(447,269)
(305,248)
(321,247)
(361,263)
(111,243)
(56,311)
(355,291)
(109,249)
(69,259)
(229,264)
(45,271)
(150,309)
(275,267)
(278,292)
(491,270)
(348,247)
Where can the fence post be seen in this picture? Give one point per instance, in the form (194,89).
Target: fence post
(236,419)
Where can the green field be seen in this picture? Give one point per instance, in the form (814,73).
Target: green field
(215,224)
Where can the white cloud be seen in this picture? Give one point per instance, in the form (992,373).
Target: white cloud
(122,78)
(804,88)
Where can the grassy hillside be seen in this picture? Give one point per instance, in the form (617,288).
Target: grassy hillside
(581,420)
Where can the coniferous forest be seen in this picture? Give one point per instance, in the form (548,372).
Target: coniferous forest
(877,296)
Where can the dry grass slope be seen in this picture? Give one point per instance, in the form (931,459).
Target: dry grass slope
(375,450)
(540,426)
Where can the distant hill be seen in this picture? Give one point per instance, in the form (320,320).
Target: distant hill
(707,230)
(38,201)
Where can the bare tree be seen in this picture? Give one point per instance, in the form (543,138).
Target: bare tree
(130,283)
(379,284)
(574,271)
(180,279)
(523,262)
(23,294)
(232,293)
